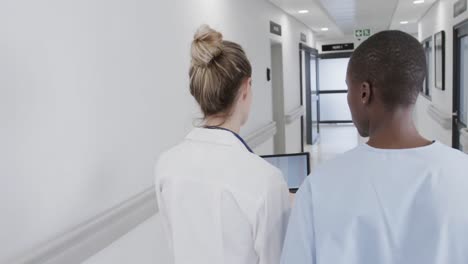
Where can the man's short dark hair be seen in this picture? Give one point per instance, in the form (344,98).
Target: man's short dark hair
(393,62)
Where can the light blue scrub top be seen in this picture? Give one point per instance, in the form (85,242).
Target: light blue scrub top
(374,206)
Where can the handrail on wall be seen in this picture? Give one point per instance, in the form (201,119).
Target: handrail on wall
(261,135)
(442,118)
(95,234)
(294,114)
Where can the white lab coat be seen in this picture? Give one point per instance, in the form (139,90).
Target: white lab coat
(220,203)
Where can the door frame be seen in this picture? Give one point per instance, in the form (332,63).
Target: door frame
(460,30)
(334,55)
(308,121)
(277,84)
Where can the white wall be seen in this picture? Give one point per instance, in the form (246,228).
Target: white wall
(142,245)
(293,137)
(439,17)
(265,149)
(93,90)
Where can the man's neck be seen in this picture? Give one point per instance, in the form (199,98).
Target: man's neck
(395,130)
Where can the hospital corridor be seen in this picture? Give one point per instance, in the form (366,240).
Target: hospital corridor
(233,131)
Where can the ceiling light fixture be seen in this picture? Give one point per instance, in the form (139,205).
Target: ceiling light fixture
(418,2)
(404,22)
(303,11)
(324,29)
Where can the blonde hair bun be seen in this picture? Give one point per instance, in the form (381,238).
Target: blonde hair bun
(217,71)
(206,46)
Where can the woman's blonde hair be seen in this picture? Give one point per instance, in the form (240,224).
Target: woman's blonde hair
(217,70)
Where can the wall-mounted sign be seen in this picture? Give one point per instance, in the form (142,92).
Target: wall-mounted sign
(459,7)
(359,33)
(275,28)
(303,37)
(338,47)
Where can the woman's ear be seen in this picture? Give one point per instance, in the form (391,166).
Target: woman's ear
(246,88)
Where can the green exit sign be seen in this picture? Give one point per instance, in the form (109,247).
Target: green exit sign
(359,33)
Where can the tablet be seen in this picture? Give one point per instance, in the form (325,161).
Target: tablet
(295,167)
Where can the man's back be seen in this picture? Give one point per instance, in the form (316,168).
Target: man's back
(383,206)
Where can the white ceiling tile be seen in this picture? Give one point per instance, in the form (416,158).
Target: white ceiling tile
(407,11)
(316,19)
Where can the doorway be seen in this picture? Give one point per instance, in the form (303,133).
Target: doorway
(278,96)
(310,92)
(460,91)
(333,90)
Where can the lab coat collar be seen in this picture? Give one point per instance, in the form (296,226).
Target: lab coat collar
(216,136)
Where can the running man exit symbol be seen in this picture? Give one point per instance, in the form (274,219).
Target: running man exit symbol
(359,33)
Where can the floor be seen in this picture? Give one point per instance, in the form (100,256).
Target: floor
(334,140)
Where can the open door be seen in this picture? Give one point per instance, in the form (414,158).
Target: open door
(309,89)
(460,93)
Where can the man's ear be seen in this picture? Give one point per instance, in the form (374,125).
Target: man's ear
(366,93)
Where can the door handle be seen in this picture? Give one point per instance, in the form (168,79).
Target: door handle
(455,114)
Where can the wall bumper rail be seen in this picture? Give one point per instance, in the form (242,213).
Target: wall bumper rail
(443,119)
(261,135)
(95,234)
(293,115)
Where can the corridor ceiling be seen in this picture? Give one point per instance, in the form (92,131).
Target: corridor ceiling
(342,17)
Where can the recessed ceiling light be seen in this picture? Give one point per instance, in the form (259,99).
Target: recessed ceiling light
(324,29)
(416,2)
(303,11)
(404,22)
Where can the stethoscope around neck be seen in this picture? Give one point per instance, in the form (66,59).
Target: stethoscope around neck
(234,133)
